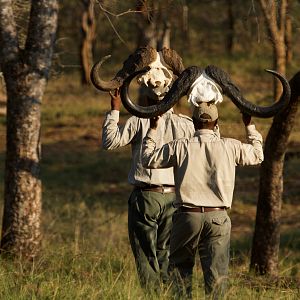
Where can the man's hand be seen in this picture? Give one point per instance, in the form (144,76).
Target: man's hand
(115,100)
(154,122)
(246,119)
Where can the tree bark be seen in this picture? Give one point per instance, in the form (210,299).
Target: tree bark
(26,72)
(147,23)
(88,26)
(165,37)
(289,35)
(275,16)
(266,240)
(230,31)
(185,26)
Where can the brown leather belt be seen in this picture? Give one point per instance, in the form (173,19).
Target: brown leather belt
(164,189)
(201,209)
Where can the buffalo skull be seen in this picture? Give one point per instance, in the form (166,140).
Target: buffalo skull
(161,68)
(182,86)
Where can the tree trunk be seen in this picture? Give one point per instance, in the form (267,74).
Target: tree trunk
(279,64)
(147,23)
(165,37)
(230,31)
(289,36)
(88,26)
(275,16)
(22,209)
(185,26)
(26,73)
(266,240)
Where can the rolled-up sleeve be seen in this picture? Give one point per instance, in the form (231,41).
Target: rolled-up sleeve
(252,152)
(115,136)
(152,157)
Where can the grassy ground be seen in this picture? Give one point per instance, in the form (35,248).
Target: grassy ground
(85,251)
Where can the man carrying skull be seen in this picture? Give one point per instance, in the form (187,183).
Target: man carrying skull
(204,175)
(150,205)
(204,178)
(204,170)
(167,145)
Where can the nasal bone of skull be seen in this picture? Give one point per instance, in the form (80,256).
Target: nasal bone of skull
(158,75)
(153,78)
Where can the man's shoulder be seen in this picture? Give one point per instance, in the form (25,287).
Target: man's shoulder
(185,117)
(182,117)
(228,140)
(135,119)
(137,124)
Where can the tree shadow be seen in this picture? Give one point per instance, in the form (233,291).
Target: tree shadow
(75,172)
(289,247)
(247,181)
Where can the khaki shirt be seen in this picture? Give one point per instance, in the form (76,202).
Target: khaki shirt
(171,127)
(204,165)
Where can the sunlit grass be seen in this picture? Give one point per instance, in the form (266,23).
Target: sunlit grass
(86,255)
(85,251)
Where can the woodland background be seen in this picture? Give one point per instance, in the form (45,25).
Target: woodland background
(85,252)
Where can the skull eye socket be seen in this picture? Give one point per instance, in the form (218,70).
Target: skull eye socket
(167,73)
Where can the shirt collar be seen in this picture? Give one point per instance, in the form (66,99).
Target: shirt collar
(203,131)
(170,111)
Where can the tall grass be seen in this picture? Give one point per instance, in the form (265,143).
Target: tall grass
(85,255)
(85,252)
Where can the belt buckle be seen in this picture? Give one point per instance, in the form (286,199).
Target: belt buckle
(202,209)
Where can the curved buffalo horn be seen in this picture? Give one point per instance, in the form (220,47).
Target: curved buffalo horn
(183,83)
(231,91)
(138,60)
(101,84)
(179,88)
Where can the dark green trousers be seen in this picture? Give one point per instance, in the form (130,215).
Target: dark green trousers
(149,226)
(209,235)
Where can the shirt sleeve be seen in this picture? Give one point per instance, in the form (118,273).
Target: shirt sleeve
(252,152)
(114,135)
(156,158)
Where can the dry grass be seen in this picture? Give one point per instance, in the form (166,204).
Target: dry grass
(85,251)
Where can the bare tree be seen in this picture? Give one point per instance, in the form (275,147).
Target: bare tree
(289,35)
(147,23)
(275,16)
(230,31)
(265,248)
(154,23)
(165,36)
(26,72)
(185,25)
(88,26)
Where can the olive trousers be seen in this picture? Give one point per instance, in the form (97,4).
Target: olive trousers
(149,227)
(209,234)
